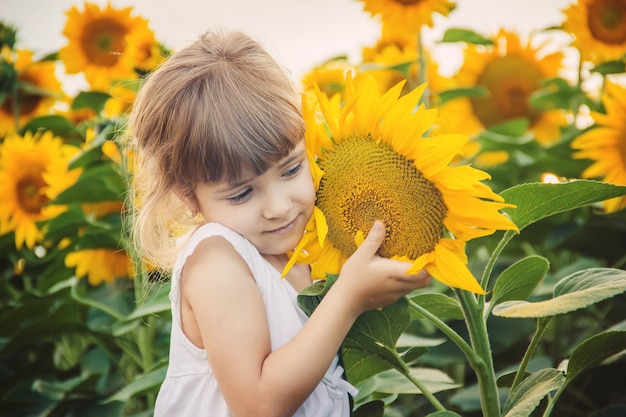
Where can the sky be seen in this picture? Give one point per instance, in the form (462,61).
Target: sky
(300,34)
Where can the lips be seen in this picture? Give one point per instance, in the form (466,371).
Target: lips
(284,229)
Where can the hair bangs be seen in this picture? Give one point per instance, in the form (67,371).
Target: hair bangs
(256,129)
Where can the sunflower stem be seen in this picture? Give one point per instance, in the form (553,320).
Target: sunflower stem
(144,335)
(542,325)
(421,76)
(425,392)
(471,356)
(479,338)
(484,282)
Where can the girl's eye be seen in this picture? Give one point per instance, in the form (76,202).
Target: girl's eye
(293,170)
(239,198)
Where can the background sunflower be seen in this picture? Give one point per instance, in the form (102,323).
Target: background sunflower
(98,44)
(24,163)
(598,29)
(605,143)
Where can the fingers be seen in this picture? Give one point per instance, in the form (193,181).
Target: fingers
(372,242)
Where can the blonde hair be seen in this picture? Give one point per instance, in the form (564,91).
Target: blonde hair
(213,111)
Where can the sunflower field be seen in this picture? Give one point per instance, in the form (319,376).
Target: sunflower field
(505,180)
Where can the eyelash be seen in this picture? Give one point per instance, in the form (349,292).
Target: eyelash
(239,198)
(294,170)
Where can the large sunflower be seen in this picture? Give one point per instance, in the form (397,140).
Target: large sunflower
(25,163)
(408,14)
(98,44)
(38,90)
(606,143)
(598,28)
(370,160)
(511,71)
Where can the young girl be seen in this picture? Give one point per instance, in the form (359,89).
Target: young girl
(219,138)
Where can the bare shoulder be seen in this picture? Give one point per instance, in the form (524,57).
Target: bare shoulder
(216,282)
(213,261)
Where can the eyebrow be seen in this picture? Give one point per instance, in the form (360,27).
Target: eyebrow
(285,162)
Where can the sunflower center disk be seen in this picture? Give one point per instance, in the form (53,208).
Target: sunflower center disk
(510,81)
(365,181)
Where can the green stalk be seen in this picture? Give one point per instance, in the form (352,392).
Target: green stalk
(425,392)
(473,359)
(542,325)
(484,282)
(144,335)
(421,76)
(484,369)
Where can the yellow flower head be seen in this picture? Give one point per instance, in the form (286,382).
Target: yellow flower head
(598,28)
(511,71)
(605,144)
(26,166)
(100,265)
(27,103)
(98,44)
(371,159)
(408,14)
(394,59)
(329,77)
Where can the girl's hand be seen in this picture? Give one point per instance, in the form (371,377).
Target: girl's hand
(370,281)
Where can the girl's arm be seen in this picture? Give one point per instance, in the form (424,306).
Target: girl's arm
(231,323)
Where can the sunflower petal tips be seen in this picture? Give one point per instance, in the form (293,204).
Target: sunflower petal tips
(359,238)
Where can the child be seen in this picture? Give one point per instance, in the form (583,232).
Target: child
(219,138)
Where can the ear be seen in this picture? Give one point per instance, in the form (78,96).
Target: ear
(190,200)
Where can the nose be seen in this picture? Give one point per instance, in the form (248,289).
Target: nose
(277,203)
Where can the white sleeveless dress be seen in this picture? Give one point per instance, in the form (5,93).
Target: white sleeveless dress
(190,388)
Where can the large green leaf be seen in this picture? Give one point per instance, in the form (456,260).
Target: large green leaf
(536,201)
(519,280)
(573,292)
(370,346)
(527,395)
(594,350)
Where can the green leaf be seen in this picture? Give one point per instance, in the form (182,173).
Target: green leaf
(610,67)
(369,346)
(444,414)
(440,305)
(90,99)
(58,125)
(527,395)
(394,382)
(519,280)
(513,128)
(536,201)
(57,390)
(96,184)
(594,350)
(158,303)
(374,408)
(573,292)
(465,35)
(143,383)
(454,93)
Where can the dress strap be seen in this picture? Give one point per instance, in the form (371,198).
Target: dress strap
(337,385)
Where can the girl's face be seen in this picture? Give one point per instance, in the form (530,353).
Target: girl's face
(270,210)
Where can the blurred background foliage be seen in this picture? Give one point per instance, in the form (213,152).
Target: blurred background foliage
(84,325)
